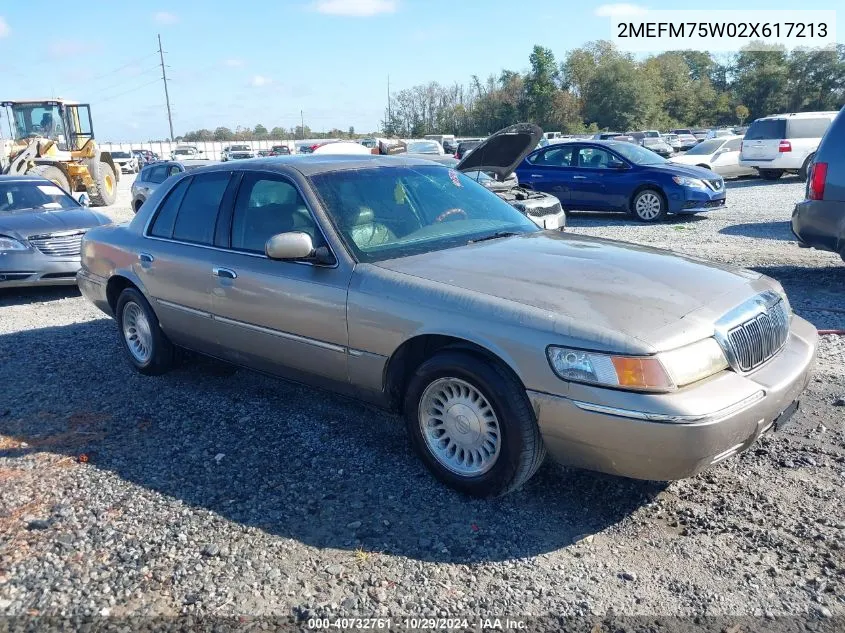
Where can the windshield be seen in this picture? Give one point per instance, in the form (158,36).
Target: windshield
(652,141)
(41,195)
(706,147)
(38,120)
(239,148)
(121,155)
(637,154)
(388,212)
(184,150)
(424,147)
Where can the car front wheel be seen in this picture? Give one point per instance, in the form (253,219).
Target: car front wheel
(470,422)
(146,346)
(648,206)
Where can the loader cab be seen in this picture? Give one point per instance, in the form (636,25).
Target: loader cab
(67,123)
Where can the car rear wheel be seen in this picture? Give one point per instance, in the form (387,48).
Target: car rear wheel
(471,424)
(146,346)
(771,174)
(805,168)
(648,205)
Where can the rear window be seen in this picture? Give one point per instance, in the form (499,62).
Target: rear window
(766,130)
(807,128)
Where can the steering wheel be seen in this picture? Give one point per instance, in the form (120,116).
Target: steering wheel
(450,212)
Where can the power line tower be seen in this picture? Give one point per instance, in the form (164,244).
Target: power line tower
(166,94)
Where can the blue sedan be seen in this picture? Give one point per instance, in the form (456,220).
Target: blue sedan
(620,176)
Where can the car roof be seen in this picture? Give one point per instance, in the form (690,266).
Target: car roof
(314,164)
(23,178)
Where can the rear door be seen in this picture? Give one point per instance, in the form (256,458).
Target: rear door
(174,263)
(762,140)
(551,170)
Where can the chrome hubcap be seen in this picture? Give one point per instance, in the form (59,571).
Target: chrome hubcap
(459,426)
(648,206)
(137,332)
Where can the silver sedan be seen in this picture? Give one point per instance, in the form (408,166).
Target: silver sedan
(41,228)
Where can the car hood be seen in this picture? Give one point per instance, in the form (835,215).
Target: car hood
(25,223)
(601,284)
(694,159)
(676,169)
(500,153)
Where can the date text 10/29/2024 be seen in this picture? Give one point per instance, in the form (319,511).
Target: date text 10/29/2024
(417,624)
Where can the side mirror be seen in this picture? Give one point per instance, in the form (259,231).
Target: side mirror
(84,200)
(616,164)
(291,245)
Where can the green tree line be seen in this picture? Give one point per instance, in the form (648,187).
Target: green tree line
(260,132)
(598,87)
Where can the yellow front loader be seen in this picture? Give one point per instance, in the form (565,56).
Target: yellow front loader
(54,138)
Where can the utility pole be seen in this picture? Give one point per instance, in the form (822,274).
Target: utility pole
(302,123)
(164,79)
(389,118)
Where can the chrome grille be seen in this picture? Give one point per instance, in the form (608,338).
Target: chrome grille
(67,244)
(755,340)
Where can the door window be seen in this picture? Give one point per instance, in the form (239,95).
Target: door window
(594,158)
(733,146)
(555,157)
(265,207)
(807,128)
(198,211)
(166,216)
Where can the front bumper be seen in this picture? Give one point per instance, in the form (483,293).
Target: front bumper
(690,200)
(31,268)
(620,444)
(820,224)
(126,168)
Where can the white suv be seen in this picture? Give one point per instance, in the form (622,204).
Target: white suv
(784,142)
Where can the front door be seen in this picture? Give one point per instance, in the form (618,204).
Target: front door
(595,184)
(278,316)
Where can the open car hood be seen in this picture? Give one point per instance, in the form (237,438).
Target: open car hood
(501,152)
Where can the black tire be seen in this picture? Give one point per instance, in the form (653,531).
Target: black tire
(661,209)
(805,168)
(104,191)
(770,174)
(136,206)
(161,352)
(521,448)
(53,174)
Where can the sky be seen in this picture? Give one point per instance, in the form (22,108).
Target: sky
(265,61)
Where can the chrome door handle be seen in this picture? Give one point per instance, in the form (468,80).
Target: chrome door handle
(225,273)
(146,258)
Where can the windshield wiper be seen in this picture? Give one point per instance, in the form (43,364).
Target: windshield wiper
(493,236)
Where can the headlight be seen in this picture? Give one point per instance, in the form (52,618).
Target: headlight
(10,244)
(627,372)
(692,183)
(694,362)
(664,372)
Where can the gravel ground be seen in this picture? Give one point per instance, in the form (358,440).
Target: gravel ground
(211,491)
